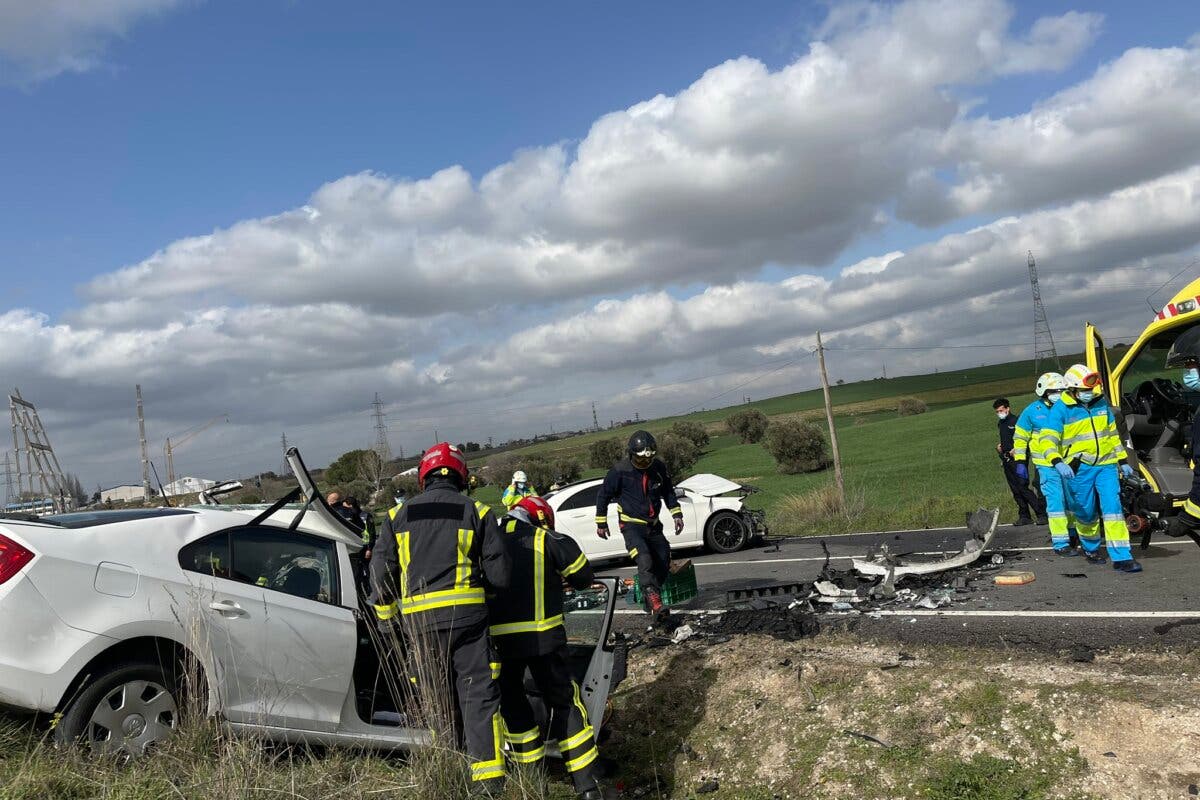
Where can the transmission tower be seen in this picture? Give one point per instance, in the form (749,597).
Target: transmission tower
(41,473)
(381,443)
(595,420)
(283,443)
(1043,340)
(10,496)
(145,457)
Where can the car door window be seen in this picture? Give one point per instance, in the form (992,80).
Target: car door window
(208,556)
(282,561)
(584,498)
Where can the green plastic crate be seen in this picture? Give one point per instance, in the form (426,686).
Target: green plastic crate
(679,587)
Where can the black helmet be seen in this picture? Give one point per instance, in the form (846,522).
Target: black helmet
(642,449)
(1185,349)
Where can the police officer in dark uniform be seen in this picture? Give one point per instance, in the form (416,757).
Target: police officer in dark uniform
(1185,354)
(527,629)
(1016,472)
(640,484)
(435,557)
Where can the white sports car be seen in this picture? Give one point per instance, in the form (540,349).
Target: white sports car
(711,518)
(106,612)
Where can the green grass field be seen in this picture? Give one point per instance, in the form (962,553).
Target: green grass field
(908,472)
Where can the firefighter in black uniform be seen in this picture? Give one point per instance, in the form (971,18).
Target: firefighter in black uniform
(1185,354)
(639,484)
(527,628)
(433,559)
(1016,472)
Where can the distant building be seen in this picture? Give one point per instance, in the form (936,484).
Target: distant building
(407,472)
(188,486)
(122,494)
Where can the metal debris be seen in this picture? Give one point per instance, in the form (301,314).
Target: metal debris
(982,525)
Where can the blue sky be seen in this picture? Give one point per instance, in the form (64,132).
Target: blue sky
(654,247)
(223,111)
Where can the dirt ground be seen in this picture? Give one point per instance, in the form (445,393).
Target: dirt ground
(833,717)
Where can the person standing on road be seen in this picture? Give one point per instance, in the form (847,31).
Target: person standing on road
(518,490)
(1080,441)
(527,627)
(436,557)
(1026,442)
(1185,354)
(640,484)
(1016,472)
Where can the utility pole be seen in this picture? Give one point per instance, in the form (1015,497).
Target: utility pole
(595,419)
(284,444)
(833,442)
(1043,340)
(142,436)
(381,443)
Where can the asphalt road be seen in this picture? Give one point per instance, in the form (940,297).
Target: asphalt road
(1059,610)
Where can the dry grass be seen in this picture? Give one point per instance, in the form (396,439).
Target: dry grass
(812,511)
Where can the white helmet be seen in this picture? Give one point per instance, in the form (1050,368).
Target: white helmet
(1080,376)
(1049,382)
(520,477)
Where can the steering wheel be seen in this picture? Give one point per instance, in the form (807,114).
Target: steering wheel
(1168,391)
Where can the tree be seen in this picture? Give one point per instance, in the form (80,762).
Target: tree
(75,491)
(604,453)
(345,469)
(678,453)
(749,425)
(371,469)
(693,431)
(797,445)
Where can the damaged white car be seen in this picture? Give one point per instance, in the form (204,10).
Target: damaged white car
(711,517)
(106,612)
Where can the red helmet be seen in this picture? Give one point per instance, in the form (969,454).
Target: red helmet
(443,458)
(540,512)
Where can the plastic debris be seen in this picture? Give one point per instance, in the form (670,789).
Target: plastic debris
(934,600)
(683,633)
(1013,578)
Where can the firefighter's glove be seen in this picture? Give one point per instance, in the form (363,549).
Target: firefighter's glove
(602,531)
(1127,470)
(1022,472)
(678,525)
(1065,470)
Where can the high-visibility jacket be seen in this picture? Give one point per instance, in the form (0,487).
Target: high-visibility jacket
(638,493)
(527,617)
(1087,434)
(1026,441)
(512,495)
(434,558)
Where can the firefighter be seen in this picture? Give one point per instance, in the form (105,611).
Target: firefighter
(639,484)
(1016,473)
(517,490)
(1081,443)
(435,557)
(527,628)
(1026,442)
(1185,354)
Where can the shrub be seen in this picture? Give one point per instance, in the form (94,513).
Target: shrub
(678,453)
(406,484)
(692,431)
(249,498)
(749,426)
(910,406)
(604,453)
(565,470)
(797,446)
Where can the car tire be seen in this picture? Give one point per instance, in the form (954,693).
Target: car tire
(123,712)
(726,532)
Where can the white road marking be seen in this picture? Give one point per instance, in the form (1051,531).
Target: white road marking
(705,564)
(925,612)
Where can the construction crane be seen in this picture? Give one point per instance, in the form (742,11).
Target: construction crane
(171,446)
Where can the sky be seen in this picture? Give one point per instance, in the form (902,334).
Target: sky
(494,215)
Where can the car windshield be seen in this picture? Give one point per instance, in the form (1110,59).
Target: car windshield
(90,519)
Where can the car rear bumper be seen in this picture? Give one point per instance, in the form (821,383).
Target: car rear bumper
(40,655)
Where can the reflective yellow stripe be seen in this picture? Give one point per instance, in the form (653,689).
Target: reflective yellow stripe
(495,665)
(626,518)
(405,556)
(633,553)
(522,738)
(532,626)
(511,527)
(443,599)
(531,757)
(601,520)
(539,574)
(483,510)
(485,770)
(676,511)
(1191,508)
(463,571)
(576,764)
(575,566)
(394,510)
(577,739)
(384,613)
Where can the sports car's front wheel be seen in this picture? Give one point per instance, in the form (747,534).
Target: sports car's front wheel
(124,712)
(726,532)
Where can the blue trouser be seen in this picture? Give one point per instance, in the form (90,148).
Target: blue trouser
(1100,486)
(1062,522)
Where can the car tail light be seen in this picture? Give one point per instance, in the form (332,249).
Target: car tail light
(12,558)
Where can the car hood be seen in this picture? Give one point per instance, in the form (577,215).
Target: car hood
(708,485)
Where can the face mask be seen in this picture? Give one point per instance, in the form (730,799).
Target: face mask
(1002,414)
(1052,397)
(1086,396)
(1191,379)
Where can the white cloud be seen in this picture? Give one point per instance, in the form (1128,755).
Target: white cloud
(40,39)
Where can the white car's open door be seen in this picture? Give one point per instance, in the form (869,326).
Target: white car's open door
(597,662)
(316,512)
